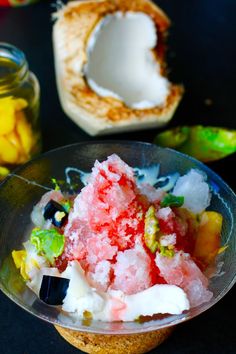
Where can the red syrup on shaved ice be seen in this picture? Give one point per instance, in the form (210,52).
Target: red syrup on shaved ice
(122,247)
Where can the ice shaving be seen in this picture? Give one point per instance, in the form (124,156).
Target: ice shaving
(124,246)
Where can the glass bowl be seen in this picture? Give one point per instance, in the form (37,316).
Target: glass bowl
(21,190)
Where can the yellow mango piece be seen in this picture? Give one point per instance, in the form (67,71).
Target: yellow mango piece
(19,258)
(14,139)
(208,237)
(7,115)
(8,152)
(23,272)
(24,131)
(20,103)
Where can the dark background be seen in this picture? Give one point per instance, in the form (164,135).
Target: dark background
(202,56)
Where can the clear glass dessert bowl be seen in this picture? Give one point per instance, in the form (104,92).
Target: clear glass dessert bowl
(21,190)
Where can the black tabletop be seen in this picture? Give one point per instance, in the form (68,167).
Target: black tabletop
(202,56)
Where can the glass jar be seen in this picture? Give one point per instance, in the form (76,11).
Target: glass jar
(20,136)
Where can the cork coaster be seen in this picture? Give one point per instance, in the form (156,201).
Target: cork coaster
(115,344)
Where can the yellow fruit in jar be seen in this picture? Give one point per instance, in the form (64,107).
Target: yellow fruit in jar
(8,152)
(15,132)
(14,139)
(7,115)
(24,131)
(20,103)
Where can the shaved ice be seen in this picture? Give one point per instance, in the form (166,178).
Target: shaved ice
(116,255)
(182,271)
(195,191)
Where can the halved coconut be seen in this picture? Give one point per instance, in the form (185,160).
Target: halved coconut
(110,69)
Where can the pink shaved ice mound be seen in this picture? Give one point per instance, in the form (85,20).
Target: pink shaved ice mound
(132,264)
(100,277)
(182,271)
(106,230)
(106,221)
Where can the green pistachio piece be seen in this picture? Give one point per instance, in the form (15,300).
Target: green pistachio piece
(172,200)
(151,230)
(56,184)
(167,252)
(204,143)
(50,243)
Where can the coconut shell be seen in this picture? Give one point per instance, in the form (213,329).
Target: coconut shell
(95,114)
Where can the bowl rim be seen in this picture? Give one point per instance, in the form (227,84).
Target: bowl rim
(153,327)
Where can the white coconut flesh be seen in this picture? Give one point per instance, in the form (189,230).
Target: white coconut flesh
(120,61)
